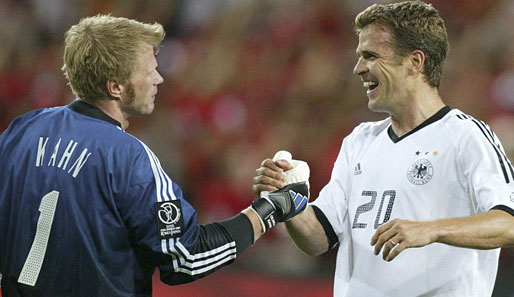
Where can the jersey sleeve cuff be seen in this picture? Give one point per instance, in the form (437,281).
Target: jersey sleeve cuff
(504,208)
(329,231)
(241,230)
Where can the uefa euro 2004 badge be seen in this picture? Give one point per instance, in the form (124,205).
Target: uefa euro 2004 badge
(420,172)
(169,219)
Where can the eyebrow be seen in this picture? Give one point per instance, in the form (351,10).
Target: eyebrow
(366,52)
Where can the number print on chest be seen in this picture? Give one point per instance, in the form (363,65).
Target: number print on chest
(368,206)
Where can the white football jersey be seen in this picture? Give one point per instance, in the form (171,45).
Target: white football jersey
(452,165)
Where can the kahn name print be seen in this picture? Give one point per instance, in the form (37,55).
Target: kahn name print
(61,155)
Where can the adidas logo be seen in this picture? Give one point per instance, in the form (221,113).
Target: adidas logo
(357,169)
(298,199)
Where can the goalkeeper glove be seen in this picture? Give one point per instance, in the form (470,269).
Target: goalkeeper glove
(282,204)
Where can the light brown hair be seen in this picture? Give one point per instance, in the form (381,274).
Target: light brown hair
(102,48)
(414,25)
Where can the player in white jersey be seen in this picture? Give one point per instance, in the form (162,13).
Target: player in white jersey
(420,202)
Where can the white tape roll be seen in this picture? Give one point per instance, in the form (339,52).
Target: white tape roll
(283,155)
(299,173)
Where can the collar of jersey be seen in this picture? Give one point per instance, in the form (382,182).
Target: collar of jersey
(91,111)
(436,117)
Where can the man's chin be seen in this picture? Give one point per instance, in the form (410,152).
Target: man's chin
(148,109)
(143,112)
(373,106)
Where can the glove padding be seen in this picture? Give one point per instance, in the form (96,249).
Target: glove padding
(282,204)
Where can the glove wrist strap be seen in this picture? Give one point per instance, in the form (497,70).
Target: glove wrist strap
(266,213)
(263,227)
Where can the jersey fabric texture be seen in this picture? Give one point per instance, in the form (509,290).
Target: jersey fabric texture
(87,210)
(452,165)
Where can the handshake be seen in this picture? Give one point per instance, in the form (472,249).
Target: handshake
(284,203)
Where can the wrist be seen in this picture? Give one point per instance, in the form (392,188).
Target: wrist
(257,218)
(266,212)
(437,230)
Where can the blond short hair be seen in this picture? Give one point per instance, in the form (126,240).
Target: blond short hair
(102,48)
(414,25)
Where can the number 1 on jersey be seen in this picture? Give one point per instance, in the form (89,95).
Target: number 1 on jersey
(32,266)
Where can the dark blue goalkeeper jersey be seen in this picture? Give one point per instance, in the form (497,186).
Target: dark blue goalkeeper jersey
(87,210)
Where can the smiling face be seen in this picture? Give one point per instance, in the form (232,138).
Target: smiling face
(138,95)
(384,74)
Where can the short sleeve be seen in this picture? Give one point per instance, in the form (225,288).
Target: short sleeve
(488,171)
(332,200)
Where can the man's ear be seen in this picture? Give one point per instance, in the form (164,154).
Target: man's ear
(417,60)
(114,88)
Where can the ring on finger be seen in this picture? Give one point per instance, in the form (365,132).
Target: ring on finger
(392,242)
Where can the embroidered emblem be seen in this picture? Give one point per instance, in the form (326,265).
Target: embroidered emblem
(170,220)
(420,172)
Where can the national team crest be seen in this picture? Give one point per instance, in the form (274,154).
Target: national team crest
(420,172)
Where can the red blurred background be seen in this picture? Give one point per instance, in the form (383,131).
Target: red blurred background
(244,79)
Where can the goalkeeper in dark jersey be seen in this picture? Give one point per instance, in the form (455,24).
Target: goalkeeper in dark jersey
(86,209)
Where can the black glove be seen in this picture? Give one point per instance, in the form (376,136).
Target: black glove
(282,204)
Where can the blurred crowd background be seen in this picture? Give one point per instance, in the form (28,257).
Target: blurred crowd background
(245,78)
